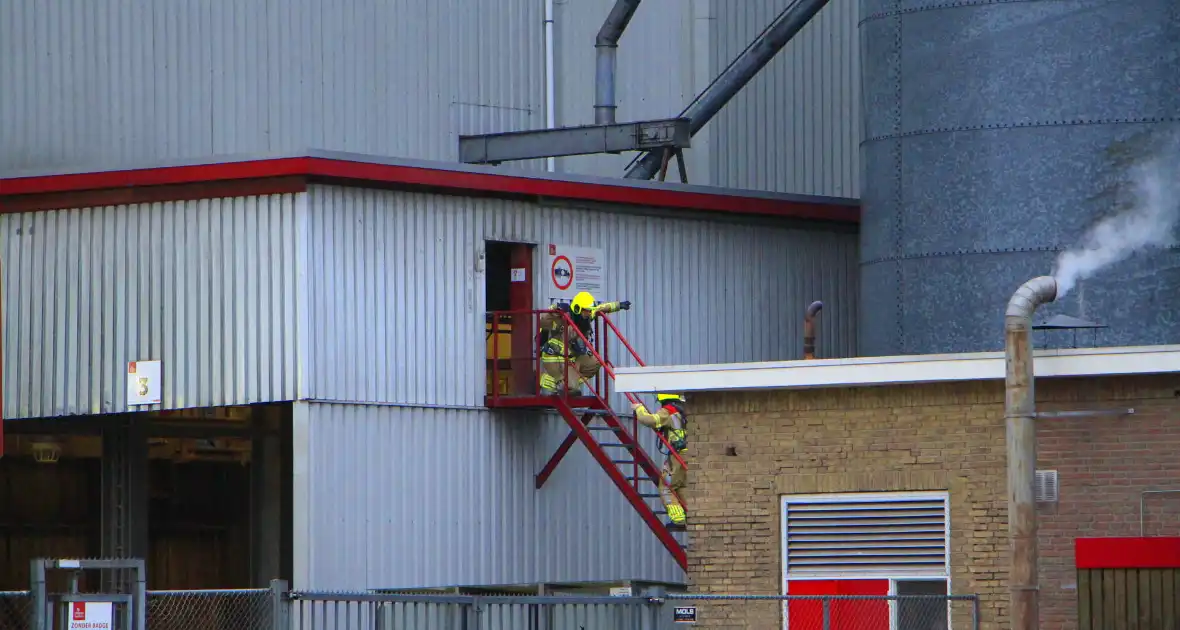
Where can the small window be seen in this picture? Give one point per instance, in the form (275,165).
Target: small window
(885,534)
(921,613)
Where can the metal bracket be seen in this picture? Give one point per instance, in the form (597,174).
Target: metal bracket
(1049,415)
(589,139)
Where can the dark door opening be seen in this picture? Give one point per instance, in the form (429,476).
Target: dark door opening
(508,292)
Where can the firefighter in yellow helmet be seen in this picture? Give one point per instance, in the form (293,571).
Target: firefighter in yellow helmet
(582,365)
(672,421)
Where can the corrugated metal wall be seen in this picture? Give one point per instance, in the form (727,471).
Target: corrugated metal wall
(405,497)
(407,481)
(395,286)
(144,80)
(138,80)
(208,287)
(796,127)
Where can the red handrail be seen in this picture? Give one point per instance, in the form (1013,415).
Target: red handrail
(631,397)
(599,391)
(609,369)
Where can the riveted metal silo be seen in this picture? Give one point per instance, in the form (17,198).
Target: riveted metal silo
(997,133)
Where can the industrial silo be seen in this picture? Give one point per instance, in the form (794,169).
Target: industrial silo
(996,134)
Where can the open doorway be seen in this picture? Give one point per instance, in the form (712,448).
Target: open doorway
(508,292)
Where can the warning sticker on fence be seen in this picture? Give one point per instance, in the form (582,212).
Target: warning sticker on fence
(90,615)
(685,614)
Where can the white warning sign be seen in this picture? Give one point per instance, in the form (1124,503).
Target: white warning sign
(90,615)
(572,270)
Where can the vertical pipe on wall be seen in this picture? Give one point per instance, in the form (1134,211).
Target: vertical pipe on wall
(809,329)
(606,46)
(1019,417)
(550,79)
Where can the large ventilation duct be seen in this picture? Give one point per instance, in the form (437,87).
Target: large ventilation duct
(737,75)
(993,133)
(1020,418)
(606,47)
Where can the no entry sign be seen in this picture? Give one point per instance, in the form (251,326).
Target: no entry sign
(573,270)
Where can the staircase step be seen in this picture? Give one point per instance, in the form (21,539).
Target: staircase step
(615,445)
(647,479)
(622,461)
(646,495)
(603,428)
(586,411)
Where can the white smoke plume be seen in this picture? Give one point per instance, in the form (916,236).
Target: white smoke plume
(1147,223)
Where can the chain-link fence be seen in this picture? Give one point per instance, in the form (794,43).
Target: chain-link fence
(278,609)
(245,609)
(823,612)
(16,610)
(357,611)
(378,611)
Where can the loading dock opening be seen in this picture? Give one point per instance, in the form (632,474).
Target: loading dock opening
(203,495)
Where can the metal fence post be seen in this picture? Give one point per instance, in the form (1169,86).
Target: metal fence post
(975,613)
(827,613)
(279,605)
(655,606)
(139,594)
(37,586)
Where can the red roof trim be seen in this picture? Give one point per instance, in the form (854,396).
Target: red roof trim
(1127,553)
(345,170)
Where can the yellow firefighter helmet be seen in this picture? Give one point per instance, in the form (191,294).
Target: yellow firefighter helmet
(582,301)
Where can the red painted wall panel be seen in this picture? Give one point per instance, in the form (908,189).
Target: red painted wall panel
(844,615)
(1162,552)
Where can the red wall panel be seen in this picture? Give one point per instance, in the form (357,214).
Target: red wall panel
(844,615)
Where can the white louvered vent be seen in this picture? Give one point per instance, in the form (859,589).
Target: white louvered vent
(1046,490)
(885,534)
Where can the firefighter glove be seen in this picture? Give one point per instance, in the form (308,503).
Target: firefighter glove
(625,305)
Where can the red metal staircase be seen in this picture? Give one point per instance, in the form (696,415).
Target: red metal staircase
(591,419)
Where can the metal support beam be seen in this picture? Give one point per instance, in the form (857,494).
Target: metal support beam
(589,139)
(125,498)
(737,75)
(606,59)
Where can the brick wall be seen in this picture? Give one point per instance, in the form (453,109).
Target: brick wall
(1104,464)
(750,448)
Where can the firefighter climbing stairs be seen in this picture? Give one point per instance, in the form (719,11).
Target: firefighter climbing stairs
(626,463)
(602,432)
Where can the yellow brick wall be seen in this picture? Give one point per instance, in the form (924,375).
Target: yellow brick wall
(751,448)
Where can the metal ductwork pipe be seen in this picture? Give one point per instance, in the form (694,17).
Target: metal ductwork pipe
(809,329)
(737,75)
(606,46)
(1020,418)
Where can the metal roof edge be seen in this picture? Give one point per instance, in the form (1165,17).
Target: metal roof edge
(895,370)
(509,171)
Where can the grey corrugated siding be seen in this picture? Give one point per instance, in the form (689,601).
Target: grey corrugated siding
(393,497)
(396,290)
(138,81)
(135,80)
(796,127)
(208,287)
